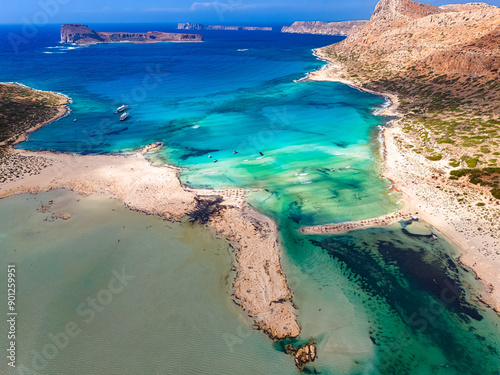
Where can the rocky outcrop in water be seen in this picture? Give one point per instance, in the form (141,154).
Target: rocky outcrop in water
(199,26)
(304,354)
(82,34)
(345,28)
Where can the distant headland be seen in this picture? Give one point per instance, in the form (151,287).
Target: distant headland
(344,28)
(82,34)
(199,26)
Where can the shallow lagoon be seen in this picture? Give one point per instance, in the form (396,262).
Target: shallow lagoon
(173,314)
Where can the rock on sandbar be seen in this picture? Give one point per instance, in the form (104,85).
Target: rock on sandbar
(304,354)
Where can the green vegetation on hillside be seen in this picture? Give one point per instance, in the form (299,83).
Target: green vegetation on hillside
(22,108)
(485,177)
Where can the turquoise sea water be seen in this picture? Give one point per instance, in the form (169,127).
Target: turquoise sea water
(377,301)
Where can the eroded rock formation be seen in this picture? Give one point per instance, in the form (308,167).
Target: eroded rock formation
(304,354)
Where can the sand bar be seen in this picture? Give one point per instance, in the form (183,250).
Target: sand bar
(348,226)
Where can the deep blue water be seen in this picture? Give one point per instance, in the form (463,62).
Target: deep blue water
(238,91)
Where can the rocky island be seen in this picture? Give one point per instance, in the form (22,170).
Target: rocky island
(199,26)
(344,28)
(440,68)
(82,34)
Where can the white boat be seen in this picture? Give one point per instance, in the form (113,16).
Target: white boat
(124,116)
(121,109)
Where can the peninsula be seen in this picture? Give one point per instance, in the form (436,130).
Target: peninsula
(344,28)
(440,68)
(199,26)
(82,34)
(259,287)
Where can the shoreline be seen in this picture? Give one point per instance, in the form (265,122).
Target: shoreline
(63,110)
(259,288)
(422,192)
(326,73)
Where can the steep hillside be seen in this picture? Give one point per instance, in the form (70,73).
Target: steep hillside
(444,64)
(403,34)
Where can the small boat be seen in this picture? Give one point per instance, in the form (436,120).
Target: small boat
(124,116)
(235,152)
(261,154)
(121,109)
(215,160)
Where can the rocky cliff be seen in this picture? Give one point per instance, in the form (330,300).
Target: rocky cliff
(82,34)
(403,34)
(345,28)
(199,26)
(443,63)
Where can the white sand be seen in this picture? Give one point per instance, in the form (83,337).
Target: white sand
(260,286)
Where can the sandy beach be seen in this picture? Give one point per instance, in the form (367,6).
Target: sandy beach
(449,206)
(335,72)
(260,286)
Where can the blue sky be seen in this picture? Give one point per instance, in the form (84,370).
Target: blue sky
(207,11)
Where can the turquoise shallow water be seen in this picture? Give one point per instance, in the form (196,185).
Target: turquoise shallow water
(377,301)
(314,139)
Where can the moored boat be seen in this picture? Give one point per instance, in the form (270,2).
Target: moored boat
(124,116)
(121,109)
